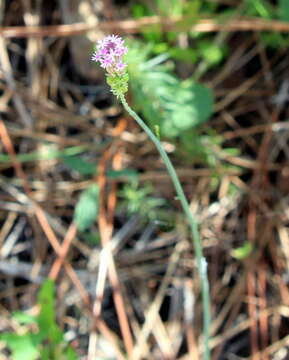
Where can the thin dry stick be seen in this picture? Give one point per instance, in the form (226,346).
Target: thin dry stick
(39,213)
(178,23)
(105,229)
(244,325)
(5,66)
(155,306)
(100,283)
(161,335)
(188,320)
(263,321)
(34,49)
(251,288)
(56,267)
(109,335)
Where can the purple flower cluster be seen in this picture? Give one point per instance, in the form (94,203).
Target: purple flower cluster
(109,53)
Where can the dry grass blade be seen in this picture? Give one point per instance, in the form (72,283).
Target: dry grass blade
(39,213)
(154,308)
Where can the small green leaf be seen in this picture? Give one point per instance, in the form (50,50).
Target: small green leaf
(212,53)
(157,131)
(87,208)
(129,173)
(23,318)
(186,55)
(78,164)
(160,48)
(47,342)
(231,151)
(243,251)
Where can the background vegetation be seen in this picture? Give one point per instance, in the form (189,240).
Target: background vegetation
(85,200)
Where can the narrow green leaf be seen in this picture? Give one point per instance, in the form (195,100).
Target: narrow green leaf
(78,164)
(47,317)
(50,154)
(129,173)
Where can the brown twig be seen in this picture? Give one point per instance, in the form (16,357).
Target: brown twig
(105,229)
(56,267)
(251,288)
(39,213)
(130,26)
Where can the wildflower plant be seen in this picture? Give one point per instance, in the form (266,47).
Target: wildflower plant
(109,53)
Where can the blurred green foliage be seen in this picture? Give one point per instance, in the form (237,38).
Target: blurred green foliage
(264,9)
(178,108)
(39,336)
(175,109)
(165,101)
(86,209)
(141,200)
(174,106)
(283,7)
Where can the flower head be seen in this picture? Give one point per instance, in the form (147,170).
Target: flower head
(109,53)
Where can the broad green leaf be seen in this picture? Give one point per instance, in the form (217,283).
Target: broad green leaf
(172,105)
(21,346)
(201,101)
(87,208)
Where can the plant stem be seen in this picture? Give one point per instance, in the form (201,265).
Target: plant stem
(201,261)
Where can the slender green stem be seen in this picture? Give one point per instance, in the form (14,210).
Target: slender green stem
(201,262)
